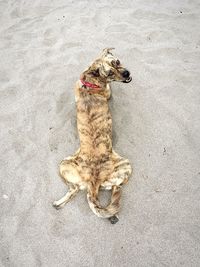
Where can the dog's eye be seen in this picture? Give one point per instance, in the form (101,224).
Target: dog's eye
(117,62)
(110,73)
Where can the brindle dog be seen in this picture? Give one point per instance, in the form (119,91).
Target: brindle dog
(96,165)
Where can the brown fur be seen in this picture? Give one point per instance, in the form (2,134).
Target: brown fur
(95,165)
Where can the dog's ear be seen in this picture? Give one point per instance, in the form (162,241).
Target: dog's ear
(106,51)
(95,72)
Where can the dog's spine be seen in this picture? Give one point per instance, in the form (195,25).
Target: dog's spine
(111,209)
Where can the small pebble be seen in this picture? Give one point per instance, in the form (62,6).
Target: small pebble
(157,190)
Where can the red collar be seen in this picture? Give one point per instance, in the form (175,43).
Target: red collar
(90,85)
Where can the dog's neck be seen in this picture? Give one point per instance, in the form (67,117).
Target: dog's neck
(92,84)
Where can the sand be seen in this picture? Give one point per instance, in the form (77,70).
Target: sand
(44,46)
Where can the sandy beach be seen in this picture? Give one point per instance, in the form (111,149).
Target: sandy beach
(44,46)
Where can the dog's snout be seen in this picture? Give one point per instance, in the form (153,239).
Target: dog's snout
(126,74)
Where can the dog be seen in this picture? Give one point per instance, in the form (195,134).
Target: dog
(96,165)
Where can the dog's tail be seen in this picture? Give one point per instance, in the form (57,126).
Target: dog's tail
(111,209)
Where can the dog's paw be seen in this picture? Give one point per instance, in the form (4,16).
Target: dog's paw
(114,219)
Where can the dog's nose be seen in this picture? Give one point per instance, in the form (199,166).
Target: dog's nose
(126,74)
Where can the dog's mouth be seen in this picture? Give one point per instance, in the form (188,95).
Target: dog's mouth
(128,80)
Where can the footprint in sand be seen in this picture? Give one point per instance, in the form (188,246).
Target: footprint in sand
(50,38)
(68,45)
(117,28)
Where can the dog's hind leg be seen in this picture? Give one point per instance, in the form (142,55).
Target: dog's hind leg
(122,170)
(69,173)
(121,173)
(73,190)
(115,198)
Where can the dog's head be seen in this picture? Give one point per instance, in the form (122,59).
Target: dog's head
(109,68)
